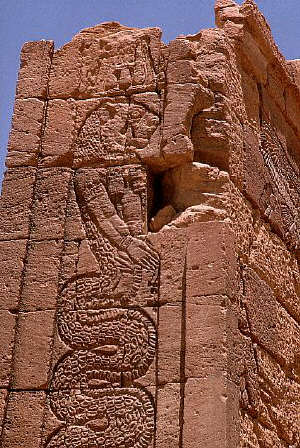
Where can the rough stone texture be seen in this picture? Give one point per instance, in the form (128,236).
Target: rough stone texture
(149,241)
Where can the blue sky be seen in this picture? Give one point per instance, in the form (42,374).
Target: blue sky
(59,20)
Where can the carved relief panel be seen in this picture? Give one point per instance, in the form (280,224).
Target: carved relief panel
(280,197)
(111,338)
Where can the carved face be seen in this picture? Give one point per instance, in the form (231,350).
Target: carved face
(113,132)
(143,122)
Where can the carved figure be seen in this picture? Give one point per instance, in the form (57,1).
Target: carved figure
(112,340)
(115,131)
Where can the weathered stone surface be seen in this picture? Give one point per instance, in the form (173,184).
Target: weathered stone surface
(12,257)
(7,335)
(171,344)
(295,69)
(278,267)
(206,414)
(272,327)
(163,217)
(171,245)
(3,398)
(24,419)
(16,203)
(41,276)
(32,352)
(35,61)
(59,129)
(168,415)
(213,269)
(206,331)
(49,207)
(149,241)
(25,136)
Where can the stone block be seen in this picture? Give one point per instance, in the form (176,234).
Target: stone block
(171,246)
(24,420)
(269,323)
(276,87)
(251,96)
(206,413)
(292,101)
(211,261)
(255,58)
(277,266)
(206,337)
(168,416)
(59,132)
(294,67)
(69,261)
(35,64)
(64,80)
(15,203)
(3,400)
(170,344)
(7,335)
(32,354)
(24,142)
(281,409)
(49,208)
(41,276)
(182,102)
(12,256)
(211,139)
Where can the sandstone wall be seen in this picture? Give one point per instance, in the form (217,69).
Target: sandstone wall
(150,241)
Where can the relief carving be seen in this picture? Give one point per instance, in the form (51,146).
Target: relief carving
(93,355)
(117,130)
(111,338)
(127,64)
(282,193)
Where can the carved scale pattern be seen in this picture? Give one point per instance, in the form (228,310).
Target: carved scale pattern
(112,340)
